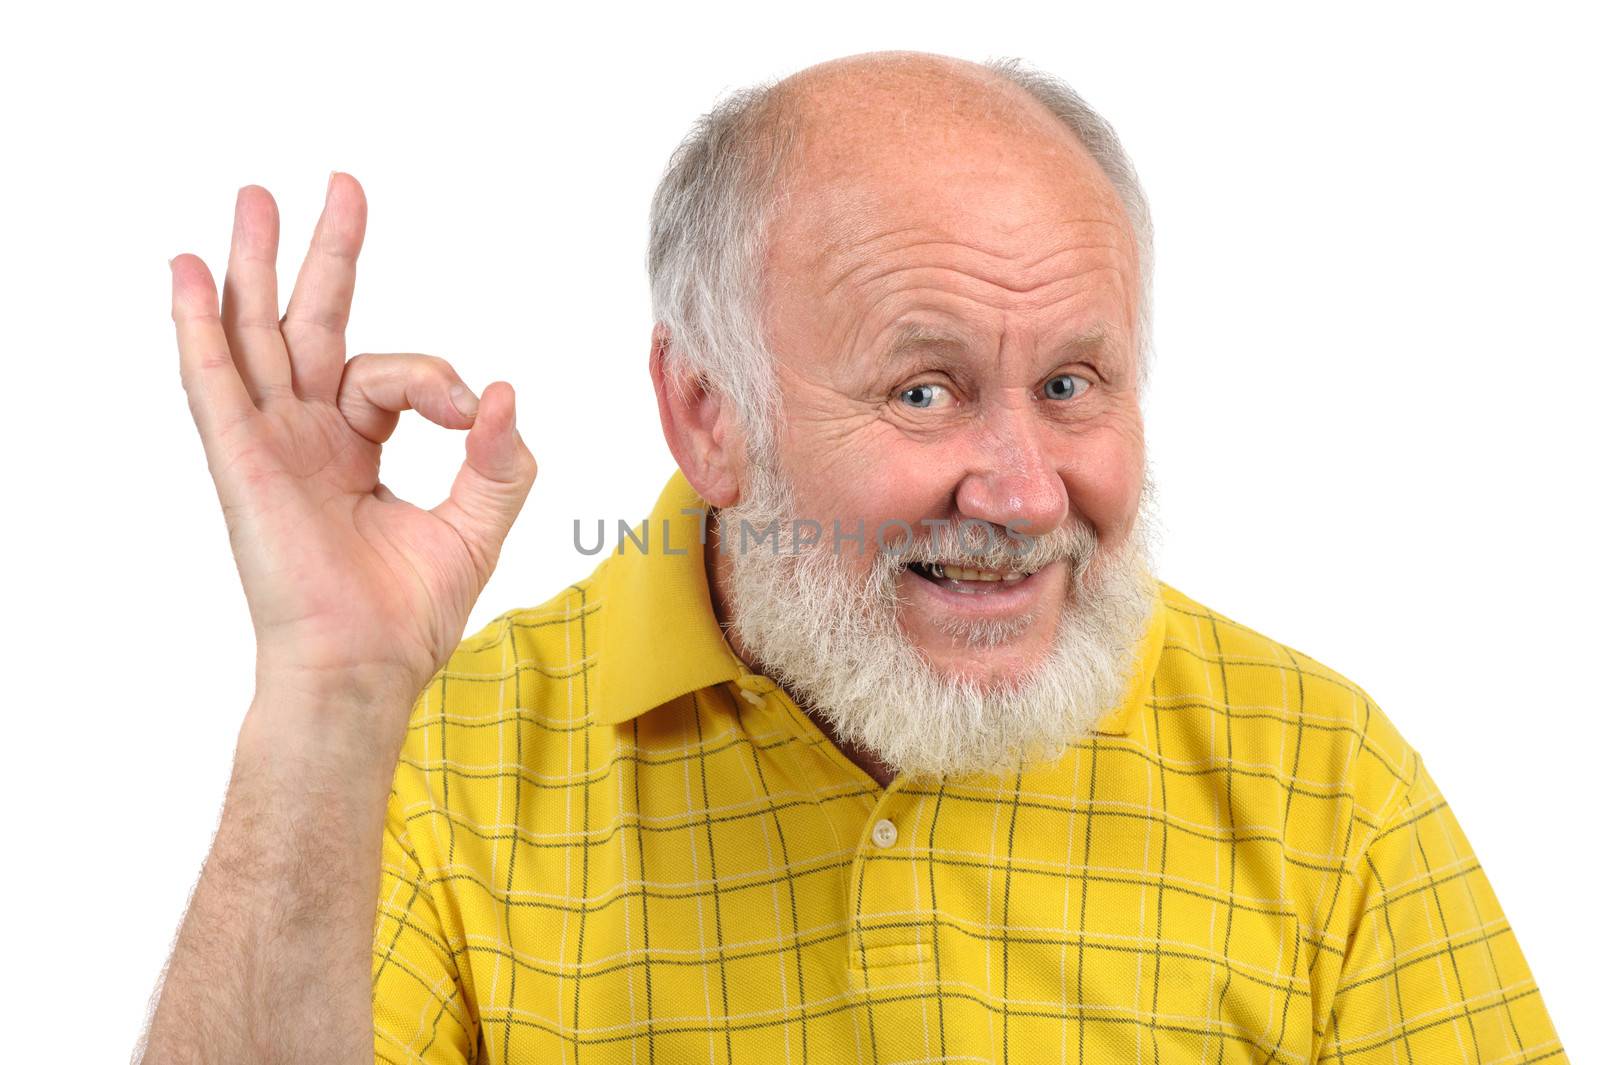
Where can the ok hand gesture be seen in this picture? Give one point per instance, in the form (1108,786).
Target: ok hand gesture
(352,591)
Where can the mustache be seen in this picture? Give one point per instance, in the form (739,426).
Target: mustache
(984,545)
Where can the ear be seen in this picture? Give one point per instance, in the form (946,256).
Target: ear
(700,427)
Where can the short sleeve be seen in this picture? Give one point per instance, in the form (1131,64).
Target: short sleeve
(420,1013)
(1432,971)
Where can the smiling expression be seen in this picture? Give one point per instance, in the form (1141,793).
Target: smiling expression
(951,296)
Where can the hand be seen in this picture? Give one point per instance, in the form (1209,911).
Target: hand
(350,589)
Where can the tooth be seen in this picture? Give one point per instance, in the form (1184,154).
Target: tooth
(966,573)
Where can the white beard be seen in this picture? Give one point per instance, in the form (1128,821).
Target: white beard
(830,637)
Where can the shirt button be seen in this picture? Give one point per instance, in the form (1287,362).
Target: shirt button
(884,833)
(754,688)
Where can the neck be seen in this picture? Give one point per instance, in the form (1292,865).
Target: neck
(719,580)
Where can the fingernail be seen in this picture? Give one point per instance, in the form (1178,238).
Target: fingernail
(465,401)
(329,190)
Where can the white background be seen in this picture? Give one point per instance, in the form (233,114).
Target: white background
(1371,423)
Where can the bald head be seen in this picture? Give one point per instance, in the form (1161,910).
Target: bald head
(807,158)
(889,140)
(857,104)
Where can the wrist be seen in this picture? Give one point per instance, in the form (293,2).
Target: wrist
(299,677)
(352,735)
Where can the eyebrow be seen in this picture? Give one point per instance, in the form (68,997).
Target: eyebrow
(914,338)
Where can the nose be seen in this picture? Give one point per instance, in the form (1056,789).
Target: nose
(1010,477)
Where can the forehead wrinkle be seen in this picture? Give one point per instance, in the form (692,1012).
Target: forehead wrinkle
(914,337)
(840,244)
(1018,288)
(839,260)
(1114,246)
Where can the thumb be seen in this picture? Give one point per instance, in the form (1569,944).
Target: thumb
(493,482)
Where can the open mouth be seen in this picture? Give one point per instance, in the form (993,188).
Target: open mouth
(966,578)
(941,594)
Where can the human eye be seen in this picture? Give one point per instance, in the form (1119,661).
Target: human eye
(1065,386)
(925,396)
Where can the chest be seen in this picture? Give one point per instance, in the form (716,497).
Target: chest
(728,904)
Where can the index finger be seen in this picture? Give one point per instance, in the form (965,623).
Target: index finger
(217,396)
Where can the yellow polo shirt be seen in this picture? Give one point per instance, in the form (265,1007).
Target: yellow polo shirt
(609,842)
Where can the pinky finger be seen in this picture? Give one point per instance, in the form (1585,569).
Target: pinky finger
(217,395)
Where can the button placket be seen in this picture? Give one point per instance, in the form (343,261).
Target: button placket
(885,882)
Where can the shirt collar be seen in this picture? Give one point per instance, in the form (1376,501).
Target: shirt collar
(659,634)
(660,637)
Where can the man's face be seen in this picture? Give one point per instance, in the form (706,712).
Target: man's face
(953,308)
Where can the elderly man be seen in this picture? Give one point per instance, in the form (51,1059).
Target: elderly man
(878,741)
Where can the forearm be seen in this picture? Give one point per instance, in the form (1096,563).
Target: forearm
(273,960)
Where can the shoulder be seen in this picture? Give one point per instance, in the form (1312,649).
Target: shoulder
(532,657)
(525,671)
(1281,706)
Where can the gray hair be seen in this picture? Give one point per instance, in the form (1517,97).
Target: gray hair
(726,181)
